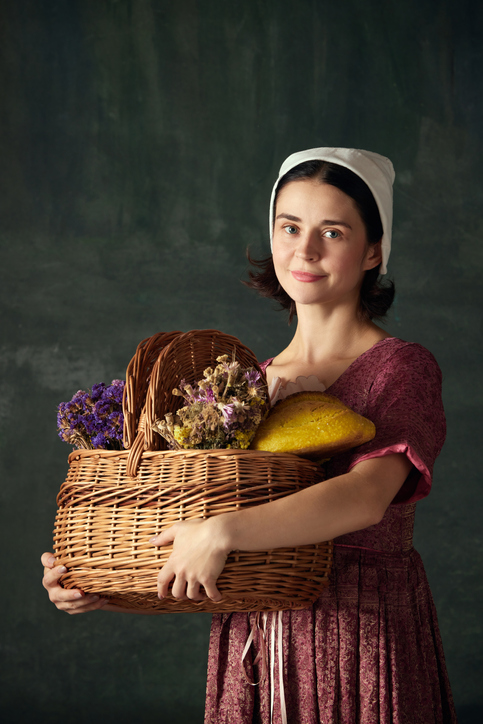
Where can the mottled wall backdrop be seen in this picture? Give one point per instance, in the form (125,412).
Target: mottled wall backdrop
(139,140)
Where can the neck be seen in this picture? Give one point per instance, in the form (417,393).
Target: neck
(332,333)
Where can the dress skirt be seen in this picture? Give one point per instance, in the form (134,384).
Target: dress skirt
(367,652)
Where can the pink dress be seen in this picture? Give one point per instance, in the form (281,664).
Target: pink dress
(369,650)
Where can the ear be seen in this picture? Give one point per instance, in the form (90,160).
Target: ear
(373,256)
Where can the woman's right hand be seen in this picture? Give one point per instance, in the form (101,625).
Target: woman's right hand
(70,600)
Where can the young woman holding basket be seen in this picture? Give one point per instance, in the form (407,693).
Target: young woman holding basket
(369,649)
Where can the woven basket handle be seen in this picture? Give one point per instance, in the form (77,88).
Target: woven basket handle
(138,375)
(183,356)
(137,436)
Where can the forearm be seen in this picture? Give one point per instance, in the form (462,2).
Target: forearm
(315,514)
(322,512)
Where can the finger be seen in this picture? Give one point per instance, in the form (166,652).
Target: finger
(165,576)
(165,537)
(57,593)
(70,600)
(194,593)
(52,575)
(48,560)
(178,589)
(90,602)
(211,590)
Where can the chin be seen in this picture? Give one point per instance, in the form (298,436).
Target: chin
(305,293)
(326,300)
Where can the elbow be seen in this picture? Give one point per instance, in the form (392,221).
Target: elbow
(374,514)
(373,504)
(377,516)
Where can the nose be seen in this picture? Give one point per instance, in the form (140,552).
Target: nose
(309,246)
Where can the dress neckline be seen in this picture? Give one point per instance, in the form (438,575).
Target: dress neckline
(357,359)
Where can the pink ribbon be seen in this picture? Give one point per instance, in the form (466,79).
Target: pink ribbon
(276,634)
(262,653)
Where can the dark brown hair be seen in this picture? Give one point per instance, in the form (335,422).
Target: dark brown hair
(376,296)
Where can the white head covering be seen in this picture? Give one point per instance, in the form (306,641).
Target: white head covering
(377,171)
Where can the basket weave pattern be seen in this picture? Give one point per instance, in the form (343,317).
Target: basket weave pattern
(112,503)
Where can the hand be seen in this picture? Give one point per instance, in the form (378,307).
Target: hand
(70,600)
(197,559)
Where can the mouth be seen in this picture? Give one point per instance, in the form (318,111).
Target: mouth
(302,276)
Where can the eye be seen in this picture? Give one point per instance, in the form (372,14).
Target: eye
(290,229)
(331,234)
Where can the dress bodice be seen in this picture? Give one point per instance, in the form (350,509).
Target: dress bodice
(394,534)
(397,385)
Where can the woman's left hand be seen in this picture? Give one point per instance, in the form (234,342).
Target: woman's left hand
(197,560)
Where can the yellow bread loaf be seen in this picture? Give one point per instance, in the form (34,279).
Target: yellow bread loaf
(312,424)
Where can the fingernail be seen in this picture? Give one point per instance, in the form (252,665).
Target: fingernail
(153,540)
(51,561)
(62,569)
(93,598)
(77,595)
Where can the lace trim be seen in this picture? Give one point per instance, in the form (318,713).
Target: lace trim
(279,391)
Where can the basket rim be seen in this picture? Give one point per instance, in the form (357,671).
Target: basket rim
(190,452)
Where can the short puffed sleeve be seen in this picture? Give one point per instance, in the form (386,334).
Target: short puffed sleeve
(403,400)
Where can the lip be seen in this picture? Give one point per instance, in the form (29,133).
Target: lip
(302,276)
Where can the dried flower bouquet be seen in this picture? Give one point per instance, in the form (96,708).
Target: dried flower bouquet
(223,411)
(93,419)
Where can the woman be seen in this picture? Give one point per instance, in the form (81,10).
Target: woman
(369,649)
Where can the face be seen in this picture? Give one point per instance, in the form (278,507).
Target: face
(320,247)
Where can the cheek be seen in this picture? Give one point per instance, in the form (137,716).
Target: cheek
(283,243)
(278,268)
(280,256)
(280,265)
(351,260)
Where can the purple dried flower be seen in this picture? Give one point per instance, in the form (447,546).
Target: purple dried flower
(229,415)
(252,377)
(97,390)
(95,419)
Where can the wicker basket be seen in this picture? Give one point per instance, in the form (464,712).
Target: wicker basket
(112,503)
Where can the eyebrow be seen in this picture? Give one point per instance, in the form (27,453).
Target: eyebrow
(325,222)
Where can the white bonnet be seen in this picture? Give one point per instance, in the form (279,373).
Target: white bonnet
(377,171)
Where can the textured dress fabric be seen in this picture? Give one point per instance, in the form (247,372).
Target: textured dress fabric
(369,649)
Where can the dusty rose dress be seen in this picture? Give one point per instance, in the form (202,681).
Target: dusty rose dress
(369,650)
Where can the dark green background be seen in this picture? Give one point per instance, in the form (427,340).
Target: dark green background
(139,141)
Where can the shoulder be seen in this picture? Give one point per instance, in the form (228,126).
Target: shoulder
(390,373)
(408,378)
(396,355)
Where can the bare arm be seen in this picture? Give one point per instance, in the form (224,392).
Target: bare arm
(324,511)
